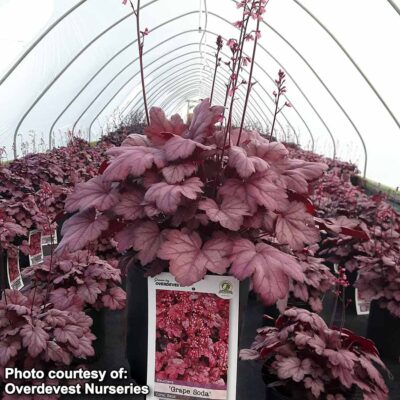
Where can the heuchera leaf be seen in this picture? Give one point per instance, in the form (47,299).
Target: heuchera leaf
(68,334)
(65,299)
(81,229)
(245,165)
(344,226)
(55,353)
(178,172)
(147,240)
(135,139)
(15,229)
(181,148)
(150,177)
(269,152)
(115,299)
(34,337)
(7,351)
(249,354)
(130,205)
(132,160)
(268,267)
(257,190)
(366,344)
(295,227)
(124,238)
(89,291)
(204,117)
(168,197)
(293,368)
(189,260)
(293,196)
(93,193)
(229,214)
(161,129)
(246,138)
(297,173)
(103,166)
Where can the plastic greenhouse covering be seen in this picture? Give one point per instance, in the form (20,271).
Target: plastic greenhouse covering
(72,65)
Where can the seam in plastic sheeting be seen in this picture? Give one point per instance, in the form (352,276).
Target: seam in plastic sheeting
(394,5)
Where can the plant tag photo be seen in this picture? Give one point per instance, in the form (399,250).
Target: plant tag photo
(49,242)
(363,303)
(35,247)
(193,338)
(13,271)
(49,238)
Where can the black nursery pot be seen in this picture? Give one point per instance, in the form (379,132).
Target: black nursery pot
(98,329)
(137,321)
(273,394)
(384,329)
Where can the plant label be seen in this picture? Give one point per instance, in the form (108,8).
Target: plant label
(35,247)
(362,303)
(50,238)
(13,270)
(49,241)
(193,338)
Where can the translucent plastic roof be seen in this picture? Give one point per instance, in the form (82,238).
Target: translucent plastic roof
(73,65)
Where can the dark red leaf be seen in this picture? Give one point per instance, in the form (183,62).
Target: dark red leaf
(103,167)
(293,196)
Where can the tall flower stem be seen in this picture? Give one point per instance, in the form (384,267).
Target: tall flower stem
(249,83)
(275,115)
(217,61)
(280,90)
(236,69)
(140,42)
(236,64)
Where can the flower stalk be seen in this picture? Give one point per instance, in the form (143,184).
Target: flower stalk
(217,64)
(280,90)
(140,41)
(250,83)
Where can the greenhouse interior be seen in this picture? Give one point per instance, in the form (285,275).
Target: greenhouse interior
(194,200)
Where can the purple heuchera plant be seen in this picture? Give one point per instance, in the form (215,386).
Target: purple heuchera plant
(379,260)
(317,281)
(9,230)
(40,337)
(79,279)
(369,239)
(309,360)
(197,201)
